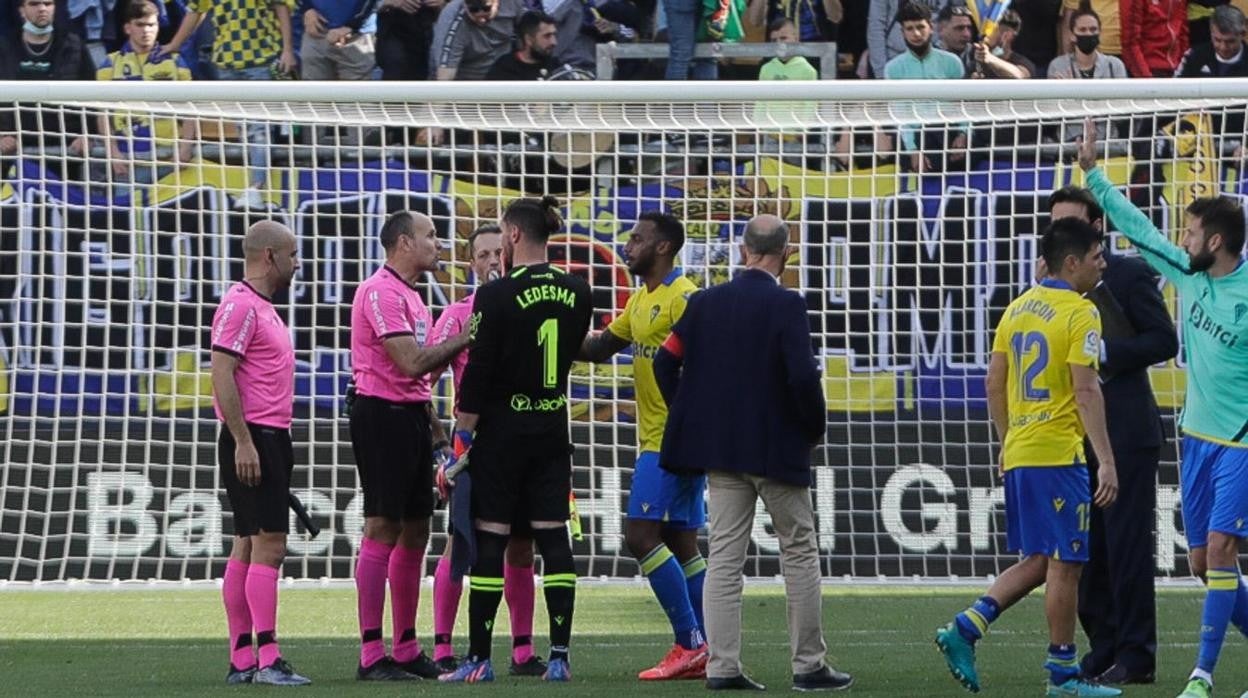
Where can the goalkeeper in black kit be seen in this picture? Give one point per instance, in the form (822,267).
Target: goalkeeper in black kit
(526,329)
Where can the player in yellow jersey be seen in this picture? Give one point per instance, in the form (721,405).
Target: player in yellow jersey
(665,510)
(1043,395)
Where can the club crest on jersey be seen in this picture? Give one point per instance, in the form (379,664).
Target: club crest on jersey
(1058,503)
(1241,309)
(654,312)
(1075,544)
(474,323)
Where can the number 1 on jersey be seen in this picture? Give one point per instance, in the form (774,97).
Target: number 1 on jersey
(548,340)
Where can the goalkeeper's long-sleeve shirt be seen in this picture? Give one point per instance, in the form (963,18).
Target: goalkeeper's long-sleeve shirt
(1214,314)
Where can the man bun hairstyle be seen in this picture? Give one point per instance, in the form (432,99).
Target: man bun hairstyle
(536,219)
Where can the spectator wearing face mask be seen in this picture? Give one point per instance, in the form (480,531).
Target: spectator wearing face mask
(1084,60)
(928,150)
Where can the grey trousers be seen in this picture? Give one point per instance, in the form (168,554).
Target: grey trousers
(732,502)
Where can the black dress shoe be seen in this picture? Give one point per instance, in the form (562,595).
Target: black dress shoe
(740,682)
(825,679)
(1118,675)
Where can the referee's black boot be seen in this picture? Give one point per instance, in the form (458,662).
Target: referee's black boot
(384,669)
(421,666)
(824,679)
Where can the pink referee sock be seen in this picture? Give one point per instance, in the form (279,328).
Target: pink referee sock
(446,595)
(406,566)
(518,589)
(237,614)
(370,588)
(262,600)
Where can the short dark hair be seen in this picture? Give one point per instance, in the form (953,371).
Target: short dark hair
(1221,215)
(1084,11)
(667,226)
(1077,195)
(487,229)
(779,23)
(395,227)
(1067,236)
(529,22)
(140,9)
(914,11)
(537,219)
(1012,20)
(951,10)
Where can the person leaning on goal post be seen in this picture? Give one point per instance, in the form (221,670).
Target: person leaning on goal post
(253,388)
(392,435)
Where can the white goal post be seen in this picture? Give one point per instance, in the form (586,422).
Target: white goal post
(112,260)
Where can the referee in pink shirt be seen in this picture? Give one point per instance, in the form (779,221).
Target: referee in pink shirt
(392,431)
(253,387)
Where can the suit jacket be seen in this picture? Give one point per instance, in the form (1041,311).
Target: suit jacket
(743,388)
(1138,333)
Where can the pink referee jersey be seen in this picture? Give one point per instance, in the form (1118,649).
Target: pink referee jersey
(386,306)
(451,322)
(247,326)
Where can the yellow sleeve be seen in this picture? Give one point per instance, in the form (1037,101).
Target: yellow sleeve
(1085,337)
(621,326)
(1000,340)
(679,302)
(200,6)
(1070,4)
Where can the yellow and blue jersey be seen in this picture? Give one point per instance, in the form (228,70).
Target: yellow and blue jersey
(646,322)
(127,64)
(1043,331)
(248,34)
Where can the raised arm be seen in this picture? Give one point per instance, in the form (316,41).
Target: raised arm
(1170,260)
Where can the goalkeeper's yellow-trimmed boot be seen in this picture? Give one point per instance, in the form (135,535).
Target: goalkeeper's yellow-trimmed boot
(959,656)
(1197,688)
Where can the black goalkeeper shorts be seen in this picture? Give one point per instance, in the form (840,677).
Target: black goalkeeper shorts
(517,480)
(264,507)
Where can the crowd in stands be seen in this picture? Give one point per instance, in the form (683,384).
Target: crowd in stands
(557,39)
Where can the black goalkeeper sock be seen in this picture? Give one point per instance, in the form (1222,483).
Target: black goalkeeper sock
(485,593)
(558,586)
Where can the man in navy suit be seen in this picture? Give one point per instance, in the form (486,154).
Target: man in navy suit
(1116,594)
(746,404)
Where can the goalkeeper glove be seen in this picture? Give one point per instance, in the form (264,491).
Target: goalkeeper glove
(457,461)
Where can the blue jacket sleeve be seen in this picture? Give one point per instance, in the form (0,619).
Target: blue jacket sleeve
(667,374)
(803,379)
(1155,339)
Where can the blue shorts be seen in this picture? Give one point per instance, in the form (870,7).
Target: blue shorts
(657,495)
(1047,512)
(1214,484)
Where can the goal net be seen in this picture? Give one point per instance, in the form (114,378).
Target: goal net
(113,258)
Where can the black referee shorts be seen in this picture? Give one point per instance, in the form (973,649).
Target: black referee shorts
(264,507)
(517,480)
(393,444)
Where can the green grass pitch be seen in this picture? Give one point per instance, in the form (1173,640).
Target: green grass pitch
(171,642)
